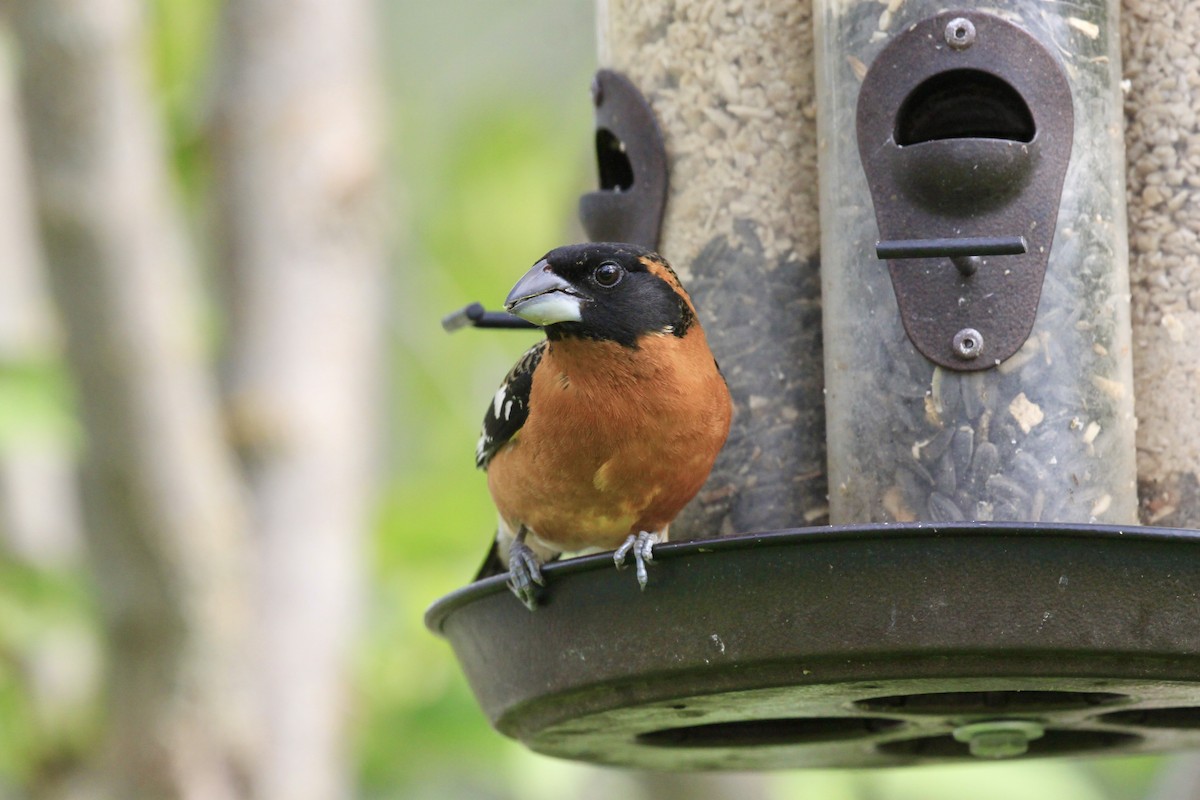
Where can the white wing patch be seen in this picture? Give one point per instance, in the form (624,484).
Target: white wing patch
(509,408)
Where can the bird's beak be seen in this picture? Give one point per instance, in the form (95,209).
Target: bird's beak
(544,298)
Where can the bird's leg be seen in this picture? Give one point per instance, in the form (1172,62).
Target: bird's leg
(642,545)
(525,570)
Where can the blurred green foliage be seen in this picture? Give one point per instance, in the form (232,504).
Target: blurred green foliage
(489,163)
(490,134)
(35,403)
(44,615)
(180,52)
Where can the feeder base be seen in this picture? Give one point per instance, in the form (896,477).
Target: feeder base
(879,645)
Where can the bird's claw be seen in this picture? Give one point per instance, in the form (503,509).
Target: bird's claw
(642,545)
(525,574)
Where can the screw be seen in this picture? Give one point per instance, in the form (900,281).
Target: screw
(1002,738)
(968,343)
(967,265)
(960,33)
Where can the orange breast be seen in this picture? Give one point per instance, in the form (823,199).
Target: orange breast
(617,441)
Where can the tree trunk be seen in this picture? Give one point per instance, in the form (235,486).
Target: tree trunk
(164,516)
(38,508)
(298,167)
(39,504)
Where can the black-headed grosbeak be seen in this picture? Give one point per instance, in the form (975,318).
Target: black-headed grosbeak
(603,431)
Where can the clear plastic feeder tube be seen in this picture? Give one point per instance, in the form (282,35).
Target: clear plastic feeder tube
(1046,435)
(1161,45)
(731,86)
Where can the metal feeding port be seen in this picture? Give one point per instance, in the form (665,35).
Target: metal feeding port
(632,166)
(878,645)
(964,128)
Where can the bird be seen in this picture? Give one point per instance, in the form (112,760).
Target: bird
(605,429)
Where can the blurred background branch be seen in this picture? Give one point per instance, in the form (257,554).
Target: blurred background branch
(50,684)
(164,515)
(297,157)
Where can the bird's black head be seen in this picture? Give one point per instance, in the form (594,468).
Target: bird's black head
(602,290)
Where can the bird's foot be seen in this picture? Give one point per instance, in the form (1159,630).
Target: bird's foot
(642,545)
(525,574)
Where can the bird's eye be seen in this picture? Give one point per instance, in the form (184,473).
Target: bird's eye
(608,274)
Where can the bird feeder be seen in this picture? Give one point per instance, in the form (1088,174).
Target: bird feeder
(984,591)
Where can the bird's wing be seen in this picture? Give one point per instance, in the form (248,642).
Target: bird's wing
(509,408)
